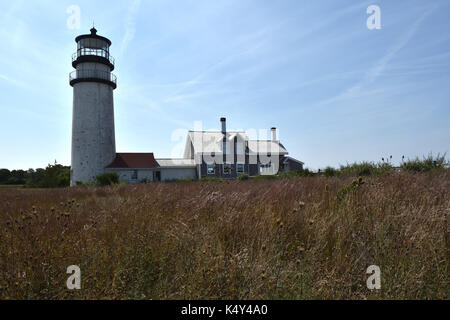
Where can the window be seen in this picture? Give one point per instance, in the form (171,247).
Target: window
(240,168)
(265,168)
(266,165)
(227,168)
(134,176)
(211,168)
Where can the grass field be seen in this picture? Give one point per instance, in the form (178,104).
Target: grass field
(298,238)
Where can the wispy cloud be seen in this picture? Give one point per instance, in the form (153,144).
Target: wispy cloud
(376,71)
(331,19)
(182,97)
(15,82)
(254,42)
(130,25)
(245,45)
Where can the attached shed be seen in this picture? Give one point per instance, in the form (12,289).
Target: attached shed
(134,167)
(176,169)
(143,167)
(291,164)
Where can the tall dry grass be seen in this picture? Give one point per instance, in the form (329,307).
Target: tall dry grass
(305,238)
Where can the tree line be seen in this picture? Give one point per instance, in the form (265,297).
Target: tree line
(53,176)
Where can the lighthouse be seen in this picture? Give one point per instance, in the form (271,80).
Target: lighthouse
(93,136)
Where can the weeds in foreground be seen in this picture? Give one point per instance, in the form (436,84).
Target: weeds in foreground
(306,238)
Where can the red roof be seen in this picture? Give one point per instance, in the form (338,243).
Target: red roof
(134,161)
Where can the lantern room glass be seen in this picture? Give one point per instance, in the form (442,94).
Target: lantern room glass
(94,47)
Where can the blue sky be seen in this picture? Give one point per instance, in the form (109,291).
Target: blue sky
(336,91)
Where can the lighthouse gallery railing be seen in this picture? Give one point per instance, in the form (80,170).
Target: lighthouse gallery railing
(93,52)
(93,74)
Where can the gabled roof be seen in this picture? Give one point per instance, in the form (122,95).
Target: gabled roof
(134,161)
(266,146)
(287,159)
(211,141)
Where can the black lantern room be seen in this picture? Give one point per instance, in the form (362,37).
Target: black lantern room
(92,48)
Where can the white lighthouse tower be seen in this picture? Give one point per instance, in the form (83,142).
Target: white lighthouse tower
(93,138)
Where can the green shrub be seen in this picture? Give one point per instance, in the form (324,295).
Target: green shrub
(330,172)
(366,168)
(54,176)
(358,169)
(297,173)
(243,176)
(384,168)
(426,164)
(107,179)
(305,173)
